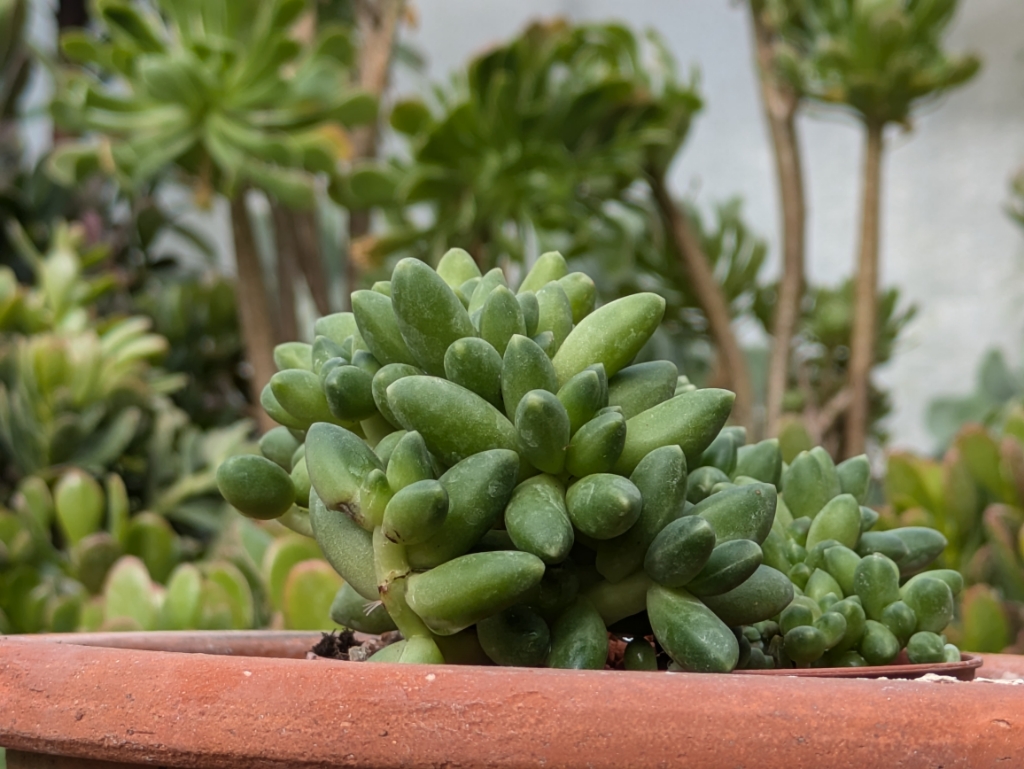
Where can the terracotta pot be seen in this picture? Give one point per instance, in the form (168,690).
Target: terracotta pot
(133,704)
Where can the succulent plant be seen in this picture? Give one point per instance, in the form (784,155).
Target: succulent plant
(217,88)
(228,97)
(490,474)
(100,469)
(197,316)
(514,146)
(975,496)
(72,389)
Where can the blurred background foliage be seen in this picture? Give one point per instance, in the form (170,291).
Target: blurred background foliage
(128,369)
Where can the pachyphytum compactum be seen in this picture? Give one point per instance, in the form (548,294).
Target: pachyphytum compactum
(493,476)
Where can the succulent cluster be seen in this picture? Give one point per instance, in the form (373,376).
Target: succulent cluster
(862,596)
(493,476)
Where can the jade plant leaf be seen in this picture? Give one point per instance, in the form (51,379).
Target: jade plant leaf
(92,559)
(130,597)
(183,600)
(308,594)
(79,502)
(986,628)
(152,539)
(232,582)
(283,554)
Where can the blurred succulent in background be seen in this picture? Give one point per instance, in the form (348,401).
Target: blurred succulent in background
(218,89)
(71,390)
(81,400)
(518,151)
(819,390)
(874,57)
(226,94)
(15,64)
(197,316)
(877,60)
(975,496)
(517,158)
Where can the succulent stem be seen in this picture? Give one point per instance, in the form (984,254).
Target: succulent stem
(392,566)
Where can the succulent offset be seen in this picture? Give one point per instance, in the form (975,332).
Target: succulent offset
(493,476)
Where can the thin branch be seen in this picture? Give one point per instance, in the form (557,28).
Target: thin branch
(865,308)
(780,106)
(255,315)
(711,299)
(833,410)
(284,232)
(377,21)
(307,249)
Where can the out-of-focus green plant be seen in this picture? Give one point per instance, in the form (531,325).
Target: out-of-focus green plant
(15,64)
(197,316)
(26,195)
(81,400)
(877,59)
(819,389)
(539,144)
(531,143)
(629,252)
(974,494)
(220,90)
(71,390)
(226,95)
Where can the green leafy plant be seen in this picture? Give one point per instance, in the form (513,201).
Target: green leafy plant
(225,96)
(70,392)
(15,64)
(819,389)
(493,476)
(196,313)
(517,148)
(80,400)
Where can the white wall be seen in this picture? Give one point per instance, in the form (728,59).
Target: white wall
(946,242)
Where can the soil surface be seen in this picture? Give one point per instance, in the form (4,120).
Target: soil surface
(349,646)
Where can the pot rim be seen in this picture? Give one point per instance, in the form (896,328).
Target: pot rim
(96,702)
(296,644)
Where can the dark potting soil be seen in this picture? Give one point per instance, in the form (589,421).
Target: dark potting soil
(334,646)
(352,647)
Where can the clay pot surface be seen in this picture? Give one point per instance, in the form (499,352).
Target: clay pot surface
(166,708)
